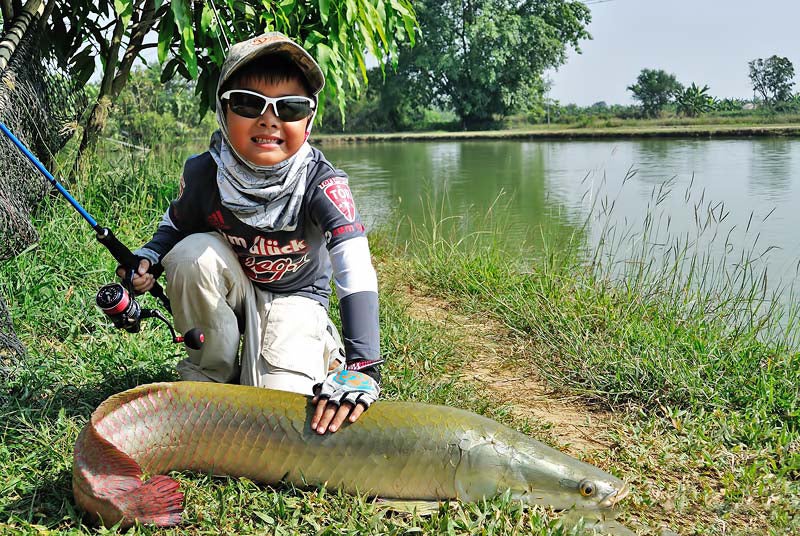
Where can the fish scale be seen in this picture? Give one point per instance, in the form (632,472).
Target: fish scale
(396,450)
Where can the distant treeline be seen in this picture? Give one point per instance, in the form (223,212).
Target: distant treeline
(658,94)
(149,111)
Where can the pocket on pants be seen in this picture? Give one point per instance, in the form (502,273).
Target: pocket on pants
(295,336)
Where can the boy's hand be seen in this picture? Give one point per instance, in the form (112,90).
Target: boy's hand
(329,417)
(343,395)
(142,281)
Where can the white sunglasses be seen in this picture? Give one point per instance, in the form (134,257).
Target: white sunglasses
(251,105)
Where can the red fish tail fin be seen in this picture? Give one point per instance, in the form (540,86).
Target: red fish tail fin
(156,501)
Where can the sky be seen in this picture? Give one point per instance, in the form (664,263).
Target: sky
(708,42)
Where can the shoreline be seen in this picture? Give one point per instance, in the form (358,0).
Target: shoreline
(666,131)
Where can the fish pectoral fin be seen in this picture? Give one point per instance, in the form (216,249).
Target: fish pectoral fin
(421,508)
(599,521)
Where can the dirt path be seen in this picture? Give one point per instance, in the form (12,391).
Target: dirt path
(498,364)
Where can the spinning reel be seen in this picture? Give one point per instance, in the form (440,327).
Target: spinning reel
(124,311)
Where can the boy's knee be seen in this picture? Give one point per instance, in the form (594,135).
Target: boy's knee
(198,255)
(199,248)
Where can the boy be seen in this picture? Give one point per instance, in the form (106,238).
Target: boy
(260,225)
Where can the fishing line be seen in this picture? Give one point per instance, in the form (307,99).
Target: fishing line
(221,32)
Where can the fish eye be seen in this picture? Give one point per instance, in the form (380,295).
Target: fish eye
(587,488)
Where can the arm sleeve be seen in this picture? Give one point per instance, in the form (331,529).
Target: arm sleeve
(357,288)
(333,210)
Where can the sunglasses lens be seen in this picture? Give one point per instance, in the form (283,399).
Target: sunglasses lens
(293,109)
(247,105)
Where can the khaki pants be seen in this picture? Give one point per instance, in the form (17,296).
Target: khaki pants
(285,340)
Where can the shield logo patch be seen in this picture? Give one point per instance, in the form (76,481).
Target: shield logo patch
(338,192)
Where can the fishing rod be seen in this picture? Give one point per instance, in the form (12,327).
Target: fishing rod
(116,300)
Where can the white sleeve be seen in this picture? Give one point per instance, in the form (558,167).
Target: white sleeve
(352,267)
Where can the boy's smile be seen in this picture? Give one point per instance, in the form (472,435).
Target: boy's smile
(267,140)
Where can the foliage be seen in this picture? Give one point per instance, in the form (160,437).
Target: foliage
(386,106)
(337,33)
(729,105)
(772,79)
(190,40)
(484,59)
(654,88)
(692,101)
(149,112)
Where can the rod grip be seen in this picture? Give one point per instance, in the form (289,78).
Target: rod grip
(126,258)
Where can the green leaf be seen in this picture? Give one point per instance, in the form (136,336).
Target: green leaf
(351,10)
(83,66)
(166,32)
(183,18)
(324,9)
(323,55)
(206,19)
(124,10)
(169,70)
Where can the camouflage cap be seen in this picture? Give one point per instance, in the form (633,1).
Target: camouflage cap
(271,43)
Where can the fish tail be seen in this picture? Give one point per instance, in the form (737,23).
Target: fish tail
(107,484)
(156,501)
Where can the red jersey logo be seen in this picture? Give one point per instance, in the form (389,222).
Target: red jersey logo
(338,192)
(216,220)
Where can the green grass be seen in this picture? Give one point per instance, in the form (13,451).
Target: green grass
(701,357)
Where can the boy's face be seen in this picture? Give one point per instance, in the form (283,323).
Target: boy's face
(266,140)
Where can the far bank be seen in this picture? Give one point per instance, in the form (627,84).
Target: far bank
(563,132)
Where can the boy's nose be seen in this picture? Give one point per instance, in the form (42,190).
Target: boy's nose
(269,117)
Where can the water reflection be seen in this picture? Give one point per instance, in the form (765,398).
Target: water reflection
(771,168)
(550,187)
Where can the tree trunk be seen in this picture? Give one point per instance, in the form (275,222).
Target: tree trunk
(11,39)
(115,74)
(99,114)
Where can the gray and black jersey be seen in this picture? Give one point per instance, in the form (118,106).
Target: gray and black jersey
(329,241)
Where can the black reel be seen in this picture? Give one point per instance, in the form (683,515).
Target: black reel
(124,311)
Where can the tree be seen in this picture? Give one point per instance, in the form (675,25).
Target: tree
(485,58)
(772,79)
(15,24)
(191,36)
(654,88)
(693,101)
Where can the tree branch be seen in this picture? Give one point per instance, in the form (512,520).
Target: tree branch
(99,38)
(139,31)
(48,10)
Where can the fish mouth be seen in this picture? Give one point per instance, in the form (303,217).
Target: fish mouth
(610,500)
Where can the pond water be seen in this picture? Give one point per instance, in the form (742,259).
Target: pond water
(726,197)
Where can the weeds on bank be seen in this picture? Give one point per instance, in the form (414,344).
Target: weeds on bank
(694,344)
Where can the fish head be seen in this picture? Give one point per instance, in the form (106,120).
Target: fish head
(533,472)
(565,483)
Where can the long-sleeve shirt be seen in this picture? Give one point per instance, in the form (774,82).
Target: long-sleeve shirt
(290,262)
